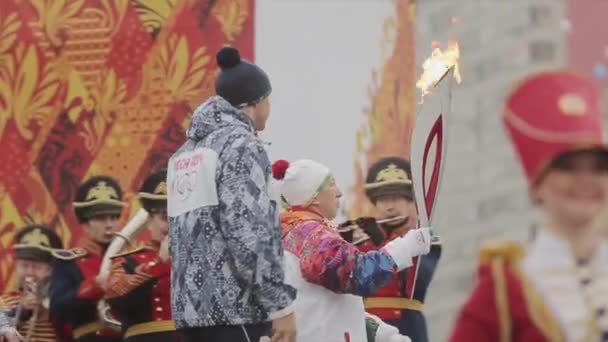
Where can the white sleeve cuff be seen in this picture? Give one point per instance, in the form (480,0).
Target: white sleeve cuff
(398,249)
(282,313)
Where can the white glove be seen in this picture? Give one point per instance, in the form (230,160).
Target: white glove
(387,332)
(402,249)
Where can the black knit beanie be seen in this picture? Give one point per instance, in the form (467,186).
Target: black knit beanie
(240,82)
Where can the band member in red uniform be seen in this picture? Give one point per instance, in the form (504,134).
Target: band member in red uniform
(139,283)
(74,291)
(28,308)
(389,188)
(555,289)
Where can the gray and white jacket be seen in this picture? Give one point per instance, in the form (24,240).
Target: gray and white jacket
(225,240)
(5,324)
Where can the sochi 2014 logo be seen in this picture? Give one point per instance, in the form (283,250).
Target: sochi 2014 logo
(184,184)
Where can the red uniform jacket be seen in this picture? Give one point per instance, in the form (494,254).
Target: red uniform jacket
(399,287)
(401,290)
(43,329)
(74,293)
(503,306)
(400,303)
(139,291)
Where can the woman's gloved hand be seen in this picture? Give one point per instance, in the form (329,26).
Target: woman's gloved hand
(378,331)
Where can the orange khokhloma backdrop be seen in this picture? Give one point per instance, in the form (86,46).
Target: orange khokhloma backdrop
(99,87)
(389,117)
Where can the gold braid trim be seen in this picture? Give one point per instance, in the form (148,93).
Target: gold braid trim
(120,282)
(497,254)
(537,308)
(502,302)
(593,331)
(43,330)
(509,251)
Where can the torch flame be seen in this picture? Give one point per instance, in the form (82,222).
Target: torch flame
(436,67)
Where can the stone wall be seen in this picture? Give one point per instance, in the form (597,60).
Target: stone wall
(483,196)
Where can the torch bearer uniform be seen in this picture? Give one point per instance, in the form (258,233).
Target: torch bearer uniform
(74,292)
(542,293)
(33,243)
(329,273)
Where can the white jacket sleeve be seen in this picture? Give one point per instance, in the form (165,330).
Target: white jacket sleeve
(402,249)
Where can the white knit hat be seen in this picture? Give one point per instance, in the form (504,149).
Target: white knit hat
(301,180)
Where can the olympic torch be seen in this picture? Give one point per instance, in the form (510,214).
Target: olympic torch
(429,138)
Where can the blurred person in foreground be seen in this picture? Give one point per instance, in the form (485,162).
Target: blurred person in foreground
(227,279)
(330,273)
(556,288)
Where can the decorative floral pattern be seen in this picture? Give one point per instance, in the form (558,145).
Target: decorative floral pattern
(91,87)
(390,114)
(232,15)
(183,71)
(26,88)
(54,17)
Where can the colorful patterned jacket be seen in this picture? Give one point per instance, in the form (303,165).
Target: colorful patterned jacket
(330,275)
(224,226)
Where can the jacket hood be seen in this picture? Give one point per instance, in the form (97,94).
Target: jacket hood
(214,114)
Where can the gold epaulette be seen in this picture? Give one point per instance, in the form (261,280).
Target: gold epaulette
(509,251)
(129,252)
(69,254)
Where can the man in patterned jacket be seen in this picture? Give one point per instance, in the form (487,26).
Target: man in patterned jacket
(225,245)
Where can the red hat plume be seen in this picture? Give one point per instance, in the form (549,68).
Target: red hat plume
(279,168)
